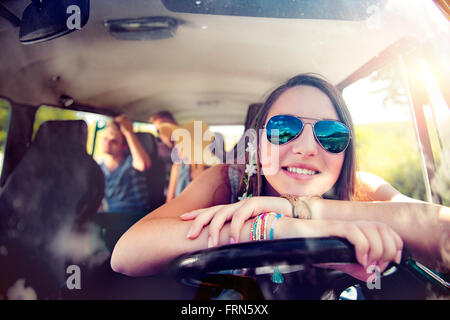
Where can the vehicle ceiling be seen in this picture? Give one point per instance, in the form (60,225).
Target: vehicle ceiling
(212,69)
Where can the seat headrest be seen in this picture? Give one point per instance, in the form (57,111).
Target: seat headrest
(58,133)
(148,142)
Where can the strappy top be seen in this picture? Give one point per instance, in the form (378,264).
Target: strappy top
(233,177)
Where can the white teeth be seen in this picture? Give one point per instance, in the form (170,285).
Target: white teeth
(301,171)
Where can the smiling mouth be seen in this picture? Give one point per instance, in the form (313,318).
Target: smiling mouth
(301,171)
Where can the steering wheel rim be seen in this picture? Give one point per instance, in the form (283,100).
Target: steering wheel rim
(191,268)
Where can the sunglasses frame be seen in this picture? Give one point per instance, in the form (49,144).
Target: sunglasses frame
(314,131)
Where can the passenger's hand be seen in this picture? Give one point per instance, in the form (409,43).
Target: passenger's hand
(124,123)
(238,213)
(376,245)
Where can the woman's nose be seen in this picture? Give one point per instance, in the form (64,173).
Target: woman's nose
(306,144)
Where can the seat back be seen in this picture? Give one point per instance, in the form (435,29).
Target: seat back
(156,174)
(52,194)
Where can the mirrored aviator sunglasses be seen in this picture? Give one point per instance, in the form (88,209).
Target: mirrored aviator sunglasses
(333,136)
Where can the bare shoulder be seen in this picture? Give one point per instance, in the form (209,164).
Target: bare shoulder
(371,187)
(213,184)
(210,188)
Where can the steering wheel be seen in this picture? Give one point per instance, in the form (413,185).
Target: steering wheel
(202,268)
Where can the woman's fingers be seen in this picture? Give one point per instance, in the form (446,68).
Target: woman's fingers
(376,245)
(241,215)
(194,214)
(389,247)
(216,224)
(354,234)
(215,216)
(399,245)
(253,207)
(201,220)
(375,242)
(238,213)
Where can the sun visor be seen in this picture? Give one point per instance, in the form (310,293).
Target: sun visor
(291,9)
(49,19)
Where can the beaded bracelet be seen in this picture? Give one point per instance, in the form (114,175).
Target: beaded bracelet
(278,216)
(277,276)
(258,229)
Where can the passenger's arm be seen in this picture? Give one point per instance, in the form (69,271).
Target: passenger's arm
(172,182)
(141,159)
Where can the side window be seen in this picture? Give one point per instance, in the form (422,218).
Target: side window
(385,140)
(4,124)
(144,127)
(437,115)
(231,134)
(93,121)
(386,133)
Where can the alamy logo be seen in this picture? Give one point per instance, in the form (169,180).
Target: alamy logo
(74,20)
(74,280)
(192,145)
(374,280)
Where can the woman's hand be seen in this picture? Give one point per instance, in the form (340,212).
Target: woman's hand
(376,245)
(238,213)
(124,123)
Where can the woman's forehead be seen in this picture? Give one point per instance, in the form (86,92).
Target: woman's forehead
(304,101)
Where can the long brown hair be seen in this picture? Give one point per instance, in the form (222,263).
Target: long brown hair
(344,188)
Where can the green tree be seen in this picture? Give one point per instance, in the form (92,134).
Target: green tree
(4,119)
(389,150)
(46,113)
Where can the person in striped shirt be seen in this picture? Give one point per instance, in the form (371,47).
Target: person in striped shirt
(124,166)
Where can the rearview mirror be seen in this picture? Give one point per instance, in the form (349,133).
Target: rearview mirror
(44,20)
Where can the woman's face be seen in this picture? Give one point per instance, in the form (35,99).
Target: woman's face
(321,169)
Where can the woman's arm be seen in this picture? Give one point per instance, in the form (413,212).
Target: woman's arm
(424,227)
(154,241)
(161,235)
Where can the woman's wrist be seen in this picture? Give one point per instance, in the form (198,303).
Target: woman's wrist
(287,227)
(301,207)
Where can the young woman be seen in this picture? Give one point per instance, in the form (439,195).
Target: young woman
(305,167)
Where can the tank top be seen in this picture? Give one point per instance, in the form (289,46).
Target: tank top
(233,177)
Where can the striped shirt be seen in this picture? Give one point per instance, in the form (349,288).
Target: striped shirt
(126,189)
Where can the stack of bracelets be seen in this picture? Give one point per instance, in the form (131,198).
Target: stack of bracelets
(259,232)
(259,226)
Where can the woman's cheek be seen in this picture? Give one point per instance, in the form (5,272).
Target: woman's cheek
(334,165)
(339,165)
(269,158)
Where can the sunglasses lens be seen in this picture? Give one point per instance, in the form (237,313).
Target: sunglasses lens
(283,128)
(332,135)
